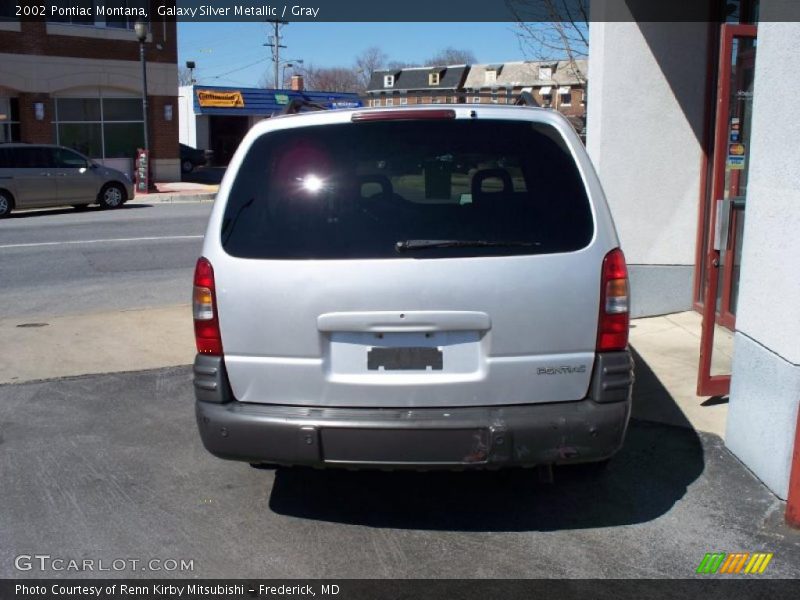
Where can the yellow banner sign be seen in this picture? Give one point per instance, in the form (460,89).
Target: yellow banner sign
(220,99)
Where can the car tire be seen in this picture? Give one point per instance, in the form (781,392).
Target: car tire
(187,166)
(6,204)
(112,196)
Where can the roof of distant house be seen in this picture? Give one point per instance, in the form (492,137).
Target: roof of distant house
(527,73)
(417,78)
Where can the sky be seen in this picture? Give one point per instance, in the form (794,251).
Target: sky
(232,54)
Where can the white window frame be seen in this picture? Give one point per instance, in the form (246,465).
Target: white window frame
(490,76)
(390,102)
(403,101)
(388,81)
(545,73)
(561,97)
(433,78)
(476,99)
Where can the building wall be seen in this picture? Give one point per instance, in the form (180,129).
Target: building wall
(81,41)
(648,148)
(40,61)
(765,386)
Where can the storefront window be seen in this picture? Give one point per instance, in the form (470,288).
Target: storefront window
(122,139)
(9,120)
(100,128)
(86,138)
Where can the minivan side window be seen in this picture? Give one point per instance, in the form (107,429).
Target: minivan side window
(369,190)
(32,157)
(68,159)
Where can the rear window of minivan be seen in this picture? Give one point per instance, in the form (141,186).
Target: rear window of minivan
(407,189)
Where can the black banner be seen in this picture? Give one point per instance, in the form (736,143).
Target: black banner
(705,587)
(402,11)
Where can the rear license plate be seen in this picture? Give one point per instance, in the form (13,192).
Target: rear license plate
(418,358)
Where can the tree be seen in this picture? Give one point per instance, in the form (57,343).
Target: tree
(332,79)
(184,76)
(553,30)
(452,56)
(370,60)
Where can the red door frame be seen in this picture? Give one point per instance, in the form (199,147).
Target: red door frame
(707,384)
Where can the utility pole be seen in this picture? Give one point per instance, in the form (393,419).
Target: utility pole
(274,43)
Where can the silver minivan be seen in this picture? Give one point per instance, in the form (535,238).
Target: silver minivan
(38,175)
(424,287)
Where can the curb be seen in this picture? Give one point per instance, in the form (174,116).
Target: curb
(173,198)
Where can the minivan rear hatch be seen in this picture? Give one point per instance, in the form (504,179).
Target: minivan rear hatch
(408,263)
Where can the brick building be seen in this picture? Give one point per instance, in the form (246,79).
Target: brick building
(560,85)
(417,85)
(554,84)
(77,81)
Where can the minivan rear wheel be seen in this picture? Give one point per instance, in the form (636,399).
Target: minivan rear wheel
(6,204)
(187,166)
(112,196)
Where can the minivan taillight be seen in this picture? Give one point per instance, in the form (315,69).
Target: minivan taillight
(612,327)
(204,309)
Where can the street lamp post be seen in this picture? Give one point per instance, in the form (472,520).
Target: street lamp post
(140,27)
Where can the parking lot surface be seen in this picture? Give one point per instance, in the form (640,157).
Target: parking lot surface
(111,466)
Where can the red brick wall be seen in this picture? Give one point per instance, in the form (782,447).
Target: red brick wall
(33,39)
(163,134)
(31,130)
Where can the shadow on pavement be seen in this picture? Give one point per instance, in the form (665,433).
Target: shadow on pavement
(210,175)
(644,480)
(66,210)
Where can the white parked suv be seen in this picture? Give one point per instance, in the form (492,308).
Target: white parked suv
(424,287)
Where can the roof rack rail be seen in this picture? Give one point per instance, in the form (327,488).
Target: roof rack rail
(297,104)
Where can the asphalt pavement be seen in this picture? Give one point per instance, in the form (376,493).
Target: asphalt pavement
(106,466)
(61,261)
(111,466)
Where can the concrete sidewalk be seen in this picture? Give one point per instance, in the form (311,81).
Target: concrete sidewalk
(666,349)
(103,342)
(181,191)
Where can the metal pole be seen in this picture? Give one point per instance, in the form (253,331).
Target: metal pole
(277,56)
(144,96)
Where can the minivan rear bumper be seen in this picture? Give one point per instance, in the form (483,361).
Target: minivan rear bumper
(587,430)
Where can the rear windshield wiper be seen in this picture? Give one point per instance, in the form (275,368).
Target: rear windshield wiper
(404,245)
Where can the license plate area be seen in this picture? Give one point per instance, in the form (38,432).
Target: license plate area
(385,356)
(420,358)
(405,446)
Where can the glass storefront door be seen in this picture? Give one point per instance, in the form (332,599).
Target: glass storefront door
(728,201)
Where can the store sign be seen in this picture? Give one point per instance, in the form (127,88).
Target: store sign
(208,98)
(281,99)
(142,171)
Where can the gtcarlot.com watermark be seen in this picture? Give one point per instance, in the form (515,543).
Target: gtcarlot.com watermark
(46,562)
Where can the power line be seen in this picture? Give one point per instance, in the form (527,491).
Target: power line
(260,60)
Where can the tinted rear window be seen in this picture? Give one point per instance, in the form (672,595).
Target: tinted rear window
(27,157)
(356,190)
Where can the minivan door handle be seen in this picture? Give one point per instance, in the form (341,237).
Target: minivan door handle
(398,321)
